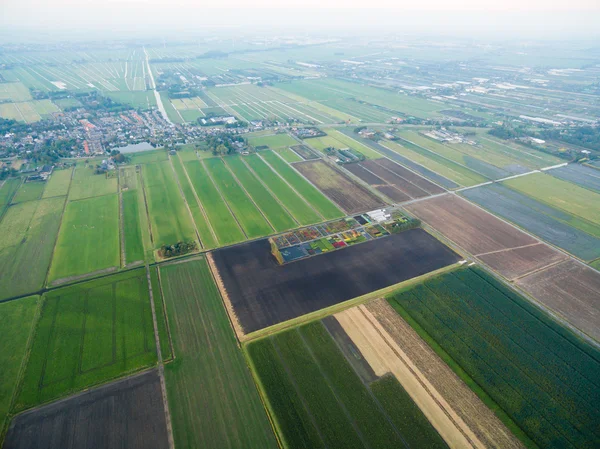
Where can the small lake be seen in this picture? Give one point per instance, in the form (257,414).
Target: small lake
(134,148)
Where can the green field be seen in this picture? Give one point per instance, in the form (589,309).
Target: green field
(14,92)
(206,236)
(340,141)
(246,212)
(161,317)
(88,240)
(58,184)
(274,141)
(169,216)
(29,191)
(221,219)
(214,402)
(272,209)
(132,230)
(87,334)
(147,157)
(7,190)
(317,400)
(582,204)
(27,236)
(127,178)
(86,184)
(288,155)
(295,204)
(137,99)
(325,207)
(16,321)
(542,376)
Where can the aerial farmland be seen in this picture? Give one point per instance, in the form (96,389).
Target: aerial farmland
(221,239)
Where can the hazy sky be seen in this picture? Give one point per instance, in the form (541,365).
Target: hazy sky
(467,18)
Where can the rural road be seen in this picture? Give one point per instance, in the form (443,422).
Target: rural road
(159,102)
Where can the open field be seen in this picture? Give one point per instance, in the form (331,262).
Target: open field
(207,238)
(297,206)
(289,155)
(583,176)
(270,207)
(582,204)
(505,249)
(214,402)
(460,404)
(571,290)
(133,244)
(316,199)
(29,191)
(14,92)
(339,187)
(136,99)
(148,157)
(29,233)
(86,184)
(263,293)
(248,215)
(128,413)
(16,322)
(59,183)
(541,375)
(7,191)
(317,400)
(88,240)
(87,334)
(274,141)
(170,219)
(164,335)
(547,222)
(345,141)
(224,224)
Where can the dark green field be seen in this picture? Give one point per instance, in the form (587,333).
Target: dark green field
(543,377)
(87,334)
(214,402)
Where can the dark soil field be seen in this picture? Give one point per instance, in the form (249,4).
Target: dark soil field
(503,247)
(264,293)
(393,179)
(128,414)
(350,196)
(572,290)
(376,182)
(584,176)
(410,176)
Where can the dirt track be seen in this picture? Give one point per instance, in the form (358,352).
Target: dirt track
(391,345)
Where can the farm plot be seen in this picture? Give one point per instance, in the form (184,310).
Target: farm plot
(498,244)
(217,404)
(390,150)
(297,206)
(148,157)
(569,289)
(207,239)
(86,184)
(29,191)
(132,229)
(28,233)
(7,191)
(274,141)
(87,334)
(58,183)
(317,400)
(543,220)
(14,92)
(543,377)
(88,241)
(136,99)
(317,200)
(345,141)
(578,174)
(270,207)
(263,293)
(247,213)
(221,219)
(376,329)
(169,217)
(582,204)
(289,155)
(389,190)
(128,413)
(16,323)
(350,196)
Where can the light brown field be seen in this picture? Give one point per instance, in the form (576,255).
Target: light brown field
(390,345)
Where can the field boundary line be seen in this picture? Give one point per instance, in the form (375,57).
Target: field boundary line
(248,194)
(204,214)
(507,249)
(161,368)
(269,190)
(291,187)
(187,206)
(223,198)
